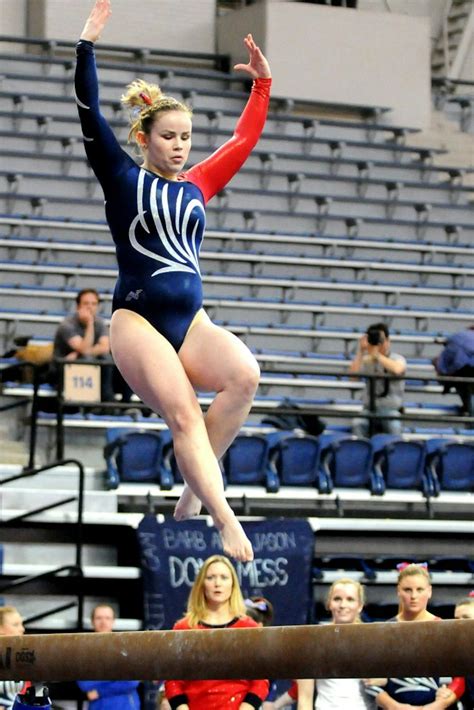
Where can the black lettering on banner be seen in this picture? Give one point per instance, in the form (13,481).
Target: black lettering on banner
(6,658)
(25,656)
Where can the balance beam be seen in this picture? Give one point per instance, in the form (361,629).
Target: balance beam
(331,651)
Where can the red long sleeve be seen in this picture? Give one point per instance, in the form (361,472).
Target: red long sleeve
(213,173)
(458,686)
(293,690)
(216,694)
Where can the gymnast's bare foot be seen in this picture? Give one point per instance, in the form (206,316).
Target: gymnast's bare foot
(234,541)
(188,505)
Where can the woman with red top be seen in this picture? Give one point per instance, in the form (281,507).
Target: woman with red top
(162,341)
(414,592)
(216,602)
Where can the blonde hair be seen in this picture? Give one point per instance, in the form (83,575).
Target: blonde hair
(4,610)
(412,569)
(465,602)
(197,604)
(146,101)
(347,580)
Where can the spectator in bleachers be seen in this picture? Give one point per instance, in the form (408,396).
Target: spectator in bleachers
(82,336)
(260,610)
(345,601)
(414,592)
(457,359)
(163,342)
(216,601)
(465,610)
(374,356)
(11,624)
(109,694)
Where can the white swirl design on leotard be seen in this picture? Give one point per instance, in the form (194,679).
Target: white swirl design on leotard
(183,254)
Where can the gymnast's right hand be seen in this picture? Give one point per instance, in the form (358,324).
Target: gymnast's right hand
(97,20)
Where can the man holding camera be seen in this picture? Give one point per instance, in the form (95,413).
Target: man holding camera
(374,357)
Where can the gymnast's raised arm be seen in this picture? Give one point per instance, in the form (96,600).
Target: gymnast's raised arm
(105,155)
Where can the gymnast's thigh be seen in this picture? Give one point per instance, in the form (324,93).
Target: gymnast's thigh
(150,364)
(212,356)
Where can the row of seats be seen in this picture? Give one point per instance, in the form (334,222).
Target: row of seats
(375,568)
(291,458)
(317,183)
(274,268)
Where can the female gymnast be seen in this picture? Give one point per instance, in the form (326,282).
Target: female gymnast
(345,601)
(216,602)
(414,593)
(162,341)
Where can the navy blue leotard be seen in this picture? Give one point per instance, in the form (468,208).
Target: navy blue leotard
(158,224)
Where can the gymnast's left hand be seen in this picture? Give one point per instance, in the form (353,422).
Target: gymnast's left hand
(258,67)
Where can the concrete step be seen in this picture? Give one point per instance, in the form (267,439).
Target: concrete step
(13,453)
(30,498)
(66,477)
(90,571)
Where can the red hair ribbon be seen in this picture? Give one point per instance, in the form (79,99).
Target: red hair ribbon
(403,565)
(145,98)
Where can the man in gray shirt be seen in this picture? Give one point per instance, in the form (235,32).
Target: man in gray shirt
(83,335)
(375,357)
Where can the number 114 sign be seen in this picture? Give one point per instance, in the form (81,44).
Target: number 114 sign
(81,382)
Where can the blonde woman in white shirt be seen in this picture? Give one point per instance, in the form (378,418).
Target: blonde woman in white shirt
(345,601)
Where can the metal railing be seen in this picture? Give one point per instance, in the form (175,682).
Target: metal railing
(74,569)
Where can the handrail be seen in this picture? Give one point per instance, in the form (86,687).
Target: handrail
(77,566)
(305,408)
(44,614)
(41,575)
(220,61)
(462,52)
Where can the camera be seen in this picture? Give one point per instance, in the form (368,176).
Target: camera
(375,336)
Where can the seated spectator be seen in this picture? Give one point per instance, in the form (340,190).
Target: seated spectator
(109,694)
(374,356)
(345,602)
(457,358)
(260,610)
(414,592)
(11,624)
(83,336)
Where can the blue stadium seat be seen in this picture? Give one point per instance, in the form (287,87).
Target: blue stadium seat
(295,457)
(135,455)
(342,563)
(452,563)
(347,460)
(246,462)
(402,463)
(451,463)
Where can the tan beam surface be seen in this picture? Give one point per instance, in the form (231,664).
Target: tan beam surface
(344,651)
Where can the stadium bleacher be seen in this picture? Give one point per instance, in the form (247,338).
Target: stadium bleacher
(332,224)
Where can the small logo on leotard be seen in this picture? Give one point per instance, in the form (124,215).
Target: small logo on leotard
(134,295)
